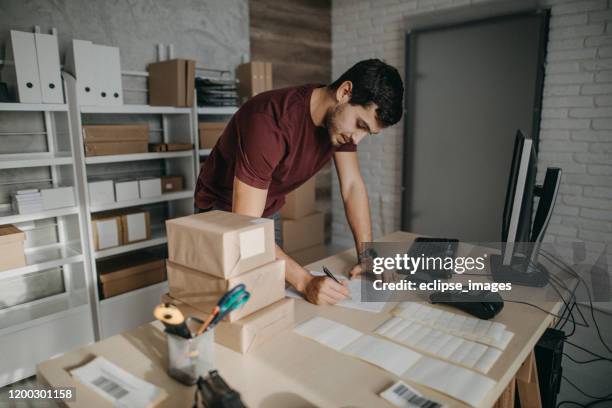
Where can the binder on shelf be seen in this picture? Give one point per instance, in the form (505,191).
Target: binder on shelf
(80,62)
(109,75)
(47,53)
(22,75)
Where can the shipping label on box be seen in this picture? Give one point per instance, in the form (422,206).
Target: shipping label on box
(220,243)
(101,192)
(300,202)
(126,190)
(247,334)
(106,232)
(150,187)
(266,285)
(135,227)
(60,197)
(304,232)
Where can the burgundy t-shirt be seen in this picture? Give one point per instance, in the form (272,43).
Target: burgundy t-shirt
(270,143)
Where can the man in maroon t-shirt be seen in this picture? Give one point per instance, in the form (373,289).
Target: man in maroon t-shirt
(279,139)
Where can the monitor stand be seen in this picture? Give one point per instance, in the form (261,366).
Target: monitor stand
(521,272)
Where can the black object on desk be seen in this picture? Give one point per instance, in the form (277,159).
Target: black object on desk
(432,248)
(213,392)
(483,304)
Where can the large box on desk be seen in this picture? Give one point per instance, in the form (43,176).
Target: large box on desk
(309,255)
(221,243)
(123,274)
(247,334)
(300,202)
(210,132)
(107,232)
(11,247)
(171,83)
(303,233)
(202,291)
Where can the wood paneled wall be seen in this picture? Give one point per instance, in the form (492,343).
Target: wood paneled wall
(295,36)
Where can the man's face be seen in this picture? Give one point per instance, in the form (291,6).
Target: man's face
(348,123)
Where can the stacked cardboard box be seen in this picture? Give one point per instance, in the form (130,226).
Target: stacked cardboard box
(209,254)
(255,77)
(171,83)
(102,140)
(210,132)
(125,273)
(11,247)
(303,228)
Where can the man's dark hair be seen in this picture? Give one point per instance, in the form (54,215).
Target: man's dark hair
(375,82)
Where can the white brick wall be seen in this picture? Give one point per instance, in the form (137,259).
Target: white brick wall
(576,129)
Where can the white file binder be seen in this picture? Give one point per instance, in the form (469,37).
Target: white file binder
(21,74)
(47,53)
(109,75)
(81,63)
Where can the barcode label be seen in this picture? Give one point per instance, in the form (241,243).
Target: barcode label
(111,388)
(401,395)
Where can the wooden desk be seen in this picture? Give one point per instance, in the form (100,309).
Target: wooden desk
(291,370)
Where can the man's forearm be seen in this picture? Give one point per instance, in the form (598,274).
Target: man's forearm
(357,210)
(297,276)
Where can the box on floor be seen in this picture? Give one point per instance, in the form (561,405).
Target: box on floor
(220,243)
(303,233)
(266,284)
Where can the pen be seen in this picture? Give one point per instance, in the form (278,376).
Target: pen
(329,274)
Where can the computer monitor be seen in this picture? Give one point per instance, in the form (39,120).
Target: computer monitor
(521,238)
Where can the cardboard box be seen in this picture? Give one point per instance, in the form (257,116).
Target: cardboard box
(255,77)
(135,227)
(300,202)
(107,232)
(171,184)
(209,133)
(123,274)
(60,197)
(127,190)
(247,334)
(116,133)
(101,192)
(11,247)
(202,291)
(220,243)
(150,187)
(309,255)
(303,233)
(172,83)
(169,147)
(113,148)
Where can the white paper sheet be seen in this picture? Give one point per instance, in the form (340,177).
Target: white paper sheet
(116,385)
(332,334)
(458,382)
(382,353)
(354,286)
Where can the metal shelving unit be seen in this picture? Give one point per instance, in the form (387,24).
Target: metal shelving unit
(48,296)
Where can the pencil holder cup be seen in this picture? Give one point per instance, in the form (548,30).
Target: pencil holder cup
(190,358)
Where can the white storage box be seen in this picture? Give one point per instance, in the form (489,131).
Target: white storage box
(60,197)
(150,187)
(101,192)
(126,190)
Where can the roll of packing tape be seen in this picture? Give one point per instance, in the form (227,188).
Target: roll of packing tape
(169,314)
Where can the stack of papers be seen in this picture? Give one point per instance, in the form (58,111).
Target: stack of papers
(458,382)
(116,385)
(440,344)
(27,201)
(483,331)
(355,302)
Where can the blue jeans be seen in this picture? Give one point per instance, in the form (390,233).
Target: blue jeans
(277,224)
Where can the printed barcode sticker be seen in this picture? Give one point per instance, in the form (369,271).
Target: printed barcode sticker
(111,388)
(403,396)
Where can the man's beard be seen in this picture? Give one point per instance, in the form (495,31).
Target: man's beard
(330,122)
